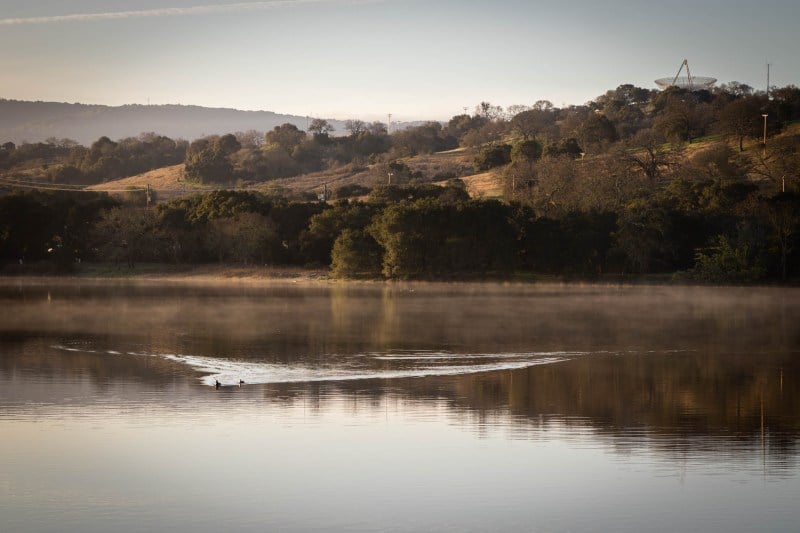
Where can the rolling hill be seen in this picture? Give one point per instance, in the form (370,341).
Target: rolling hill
(22,121)
(169,182)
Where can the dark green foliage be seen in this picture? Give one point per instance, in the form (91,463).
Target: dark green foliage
(492,156)
(534,123)
(781,218)
(424,139)
(597,129)
(270,163)
(577,245)
(412,236)
(625,107)
(682,117)
(385,194)
(460,125)
(285,137)
(716,231)
(741,119)
(351,190)
(107,160)
(236,226)
(724,263)
(53,226)
(356,255)
(785,104)
(568,147)
(325,227)
(33,154)
(245,238)
(656,238)
(291,221)
(400,173)
(25,230)
(129,236)
(702,195)
(526,151)
(71,175)
(208,160)
(219,204)
(426,239)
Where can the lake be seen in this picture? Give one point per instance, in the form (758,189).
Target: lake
(397,407)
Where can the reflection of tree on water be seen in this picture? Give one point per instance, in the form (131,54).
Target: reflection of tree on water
(733,351)
(685,404)
(682,405)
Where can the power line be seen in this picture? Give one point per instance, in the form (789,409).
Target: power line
(19,181)
(44,187)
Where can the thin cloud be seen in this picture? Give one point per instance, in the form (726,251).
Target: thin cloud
(174,11)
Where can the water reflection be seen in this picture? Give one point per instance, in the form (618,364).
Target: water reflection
(681,363)
(544,395)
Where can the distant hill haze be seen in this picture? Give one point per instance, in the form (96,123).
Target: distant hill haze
(22,121)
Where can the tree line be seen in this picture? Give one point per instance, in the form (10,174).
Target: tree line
(706,232)
(63,161)
(616,186)
(639,126)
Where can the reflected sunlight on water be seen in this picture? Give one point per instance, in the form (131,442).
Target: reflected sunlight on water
(441,409)
(346,367)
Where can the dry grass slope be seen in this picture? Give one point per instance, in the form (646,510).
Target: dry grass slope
(169,182)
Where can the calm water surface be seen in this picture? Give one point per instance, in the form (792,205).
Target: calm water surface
(398,408)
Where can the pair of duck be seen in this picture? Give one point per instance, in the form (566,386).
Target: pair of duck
(217,384)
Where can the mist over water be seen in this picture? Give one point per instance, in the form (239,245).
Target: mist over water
(400,407)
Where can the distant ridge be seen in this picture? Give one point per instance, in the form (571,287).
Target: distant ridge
(22,121)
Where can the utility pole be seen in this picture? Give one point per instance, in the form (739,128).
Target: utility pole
(768,65)
(765,115)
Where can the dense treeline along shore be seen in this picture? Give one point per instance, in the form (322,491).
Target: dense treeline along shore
(701,186)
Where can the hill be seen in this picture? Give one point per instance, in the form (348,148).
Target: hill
(169,182)
(36,121)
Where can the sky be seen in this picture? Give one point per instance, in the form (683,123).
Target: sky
(415,59)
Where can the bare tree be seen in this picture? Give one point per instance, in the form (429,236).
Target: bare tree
(355,127)
(647,152)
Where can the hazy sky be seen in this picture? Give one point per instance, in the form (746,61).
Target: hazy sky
(416,59)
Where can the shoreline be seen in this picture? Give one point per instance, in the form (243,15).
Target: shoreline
(203,273)
(177,273)
(268,274)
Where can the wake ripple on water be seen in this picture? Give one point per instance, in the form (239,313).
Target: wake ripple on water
(409,364)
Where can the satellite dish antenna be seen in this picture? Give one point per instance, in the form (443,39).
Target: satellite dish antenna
(689,82)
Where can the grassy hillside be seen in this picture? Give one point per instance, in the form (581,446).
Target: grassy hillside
(169,182)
